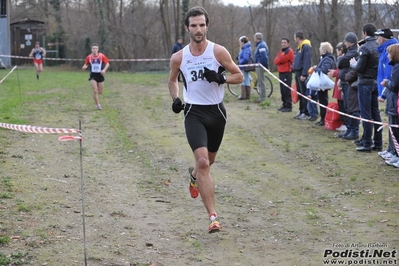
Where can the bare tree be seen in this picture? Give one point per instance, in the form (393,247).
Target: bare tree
(163,9)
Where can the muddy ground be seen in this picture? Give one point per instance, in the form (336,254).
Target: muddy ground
(286,190)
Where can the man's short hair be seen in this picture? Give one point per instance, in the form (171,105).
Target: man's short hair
(370,29)
(299,35)
(259,36)
(194,12)
(94,44)
(285,39)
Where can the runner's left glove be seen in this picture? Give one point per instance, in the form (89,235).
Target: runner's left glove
(213,76)
(177,105)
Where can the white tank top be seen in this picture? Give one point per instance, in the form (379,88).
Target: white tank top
(199,90)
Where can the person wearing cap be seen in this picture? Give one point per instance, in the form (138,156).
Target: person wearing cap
(385,39)
(38,53)
(367,67)
(343,64)
(243,58)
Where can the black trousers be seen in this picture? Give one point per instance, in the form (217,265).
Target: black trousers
(301,88)
(286,77)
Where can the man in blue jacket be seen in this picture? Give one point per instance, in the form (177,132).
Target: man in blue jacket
(261,56)
(302,63)
(385,38)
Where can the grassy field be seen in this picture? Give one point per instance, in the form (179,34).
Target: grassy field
(287,191)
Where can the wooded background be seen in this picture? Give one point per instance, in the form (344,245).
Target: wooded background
(135,29)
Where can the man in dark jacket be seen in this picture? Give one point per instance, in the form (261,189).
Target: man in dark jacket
(366,68)
(302,63)
(261,56)
(352,124)
(177,47)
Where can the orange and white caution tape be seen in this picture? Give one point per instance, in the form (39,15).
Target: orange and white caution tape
(8,74)
(77,59)
(45,130)
(382,124)
(68,138)
(35,129)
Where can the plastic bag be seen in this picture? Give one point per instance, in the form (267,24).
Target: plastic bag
(319,81)
(313,82)
(325,82)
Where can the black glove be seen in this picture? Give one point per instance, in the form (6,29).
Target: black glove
(177,105)
(212,76)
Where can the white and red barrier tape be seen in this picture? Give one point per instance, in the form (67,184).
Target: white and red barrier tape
(44,130)
(76,59)
(326,107)
(1,81)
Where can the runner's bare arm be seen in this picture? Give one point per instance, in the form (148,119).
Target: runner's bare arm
(174,66)
(224,58)
(43,52)
(105,68)
(31,53)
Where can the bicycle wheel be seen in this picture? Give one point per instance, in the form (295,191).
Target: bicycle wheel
(234,89)
(253,80)
(269,86)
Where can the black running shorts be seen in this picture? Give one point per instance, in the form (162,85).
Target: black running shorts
(97,77)
(205,125)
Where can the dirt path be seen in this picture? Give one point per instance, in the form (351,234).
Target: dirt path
(286,190)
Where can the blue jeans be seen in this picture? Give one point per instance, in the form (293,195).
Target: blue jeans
(368,103)
(312,107)
(246,81)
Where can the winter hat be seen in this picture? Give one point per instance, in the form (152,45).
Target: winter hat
(384,33)
(350,37)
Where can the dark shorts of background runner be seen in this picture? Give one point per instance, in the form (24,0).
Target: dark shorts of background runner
(97,77)
(205,125)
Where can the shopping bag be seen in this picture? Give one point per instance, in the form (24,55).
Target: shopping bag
(313,82)
(325,82)
(332,121)
(294,94)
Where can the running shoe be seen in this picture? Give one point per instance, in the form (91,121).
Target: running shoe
(194,192)
(214,225)
(99,107)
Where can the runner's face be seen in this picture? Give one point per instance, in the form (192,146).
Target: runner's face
(197,28)
(94,50)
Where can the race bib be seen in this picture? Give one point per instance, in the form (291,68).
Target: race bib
(96,65)
(38,56)
(95,68)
